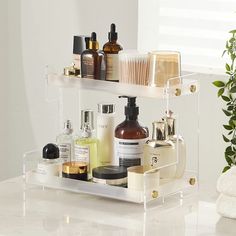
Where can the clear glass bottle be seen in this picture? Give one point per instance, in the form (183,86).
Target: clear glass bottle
(93,61)
(105,133)
(111,49)
(177,140)
(160,152)
(85,148)
(65,142)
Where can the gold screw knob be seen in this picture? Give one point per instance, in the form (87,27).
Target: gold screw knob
(178,92)
(193,88)
(154,194)
(192,181)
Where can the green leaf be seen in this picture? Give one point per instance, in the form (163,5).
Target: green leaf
(225,98)
(233,141)
(230,132)
(220,92)
(225,169)
(229,153)
(227,127)
(232,31)
(233,90)
(233,118)
(230,107)
(225,139)
(227,67)
(227,113)
(229,148)
(219,83)
(229,160)
(224,52)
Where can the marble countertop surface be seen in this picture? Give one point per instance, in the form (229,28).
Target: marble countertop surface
(32,210)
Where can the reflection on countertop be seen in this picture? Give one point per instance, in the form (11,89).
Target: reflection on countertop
(32,210)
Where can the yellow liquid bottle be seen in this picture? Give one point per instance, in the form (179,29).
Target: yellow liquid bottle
(85,148)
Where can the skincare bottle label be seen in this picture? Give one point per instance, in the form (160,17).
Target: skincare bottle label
(129,152)
(112,67)
(49,169)
(65,151)
(82,153)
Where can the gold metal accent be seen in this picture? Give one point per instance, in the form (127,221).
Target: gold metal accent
(74,167)
(154,194)
(71,71)
(193,88)
(93,45)
(177,92)
(192,181)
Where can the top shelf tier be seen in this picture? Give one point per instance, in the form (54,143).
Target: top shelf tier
(188,86)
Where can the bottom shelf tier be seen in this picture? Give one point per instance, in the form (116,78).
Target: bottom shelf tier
(187,182)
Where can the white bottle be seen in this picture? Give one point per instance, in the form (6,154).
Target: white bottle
(160,152)
(177,140)
(65,142)
(105,133)
(50,164)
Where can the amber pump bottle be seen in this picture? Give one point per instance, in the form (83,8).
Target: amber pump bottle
(93,62)
(130,136)
(111,49)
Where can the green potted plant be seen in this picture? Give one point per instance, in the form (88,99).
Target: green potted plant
(227,91)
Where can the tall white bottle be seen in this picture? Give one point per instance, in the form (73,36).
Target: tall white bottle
(65,142)
(177,140)
(105,133)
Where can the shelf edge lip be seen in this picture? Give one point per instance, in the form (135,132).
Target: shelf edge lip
(62,81)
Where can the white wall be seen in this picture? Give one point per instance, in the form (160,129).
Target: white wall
(36,33)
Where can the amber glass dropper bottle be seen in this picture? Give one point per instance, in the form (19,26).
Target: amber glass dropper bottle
(130,136)
(111,49)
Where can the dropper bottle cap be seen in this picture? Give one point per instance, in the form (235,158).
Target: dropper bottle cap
(112,35)
(93,43)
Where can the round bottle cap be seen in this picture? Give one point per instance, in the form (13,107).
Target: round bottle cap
(110,172)
(50,151)
(106,108)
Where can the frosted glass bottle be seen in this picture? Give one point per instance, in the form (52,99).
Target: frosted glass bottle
(160,152)
(85,148)
(65,142)
(105,133)
(177,140)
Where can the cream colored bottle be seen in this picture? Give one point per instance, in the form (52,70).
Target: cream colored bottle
(160,152)
(105,133)
(177,140)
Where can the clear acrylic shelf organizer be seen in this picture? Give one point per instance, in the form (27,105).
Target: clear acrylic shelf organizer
(148,197)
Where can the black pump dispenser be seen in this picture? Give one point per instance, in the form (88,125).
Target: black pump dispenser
(131,110)
(112,35)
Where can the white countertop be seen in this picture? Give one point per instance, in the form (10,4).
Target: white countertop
(34,211)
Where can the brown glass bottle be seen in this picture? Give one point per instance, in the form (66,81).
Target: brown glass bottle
(111,49)
(93,61)
(130,137)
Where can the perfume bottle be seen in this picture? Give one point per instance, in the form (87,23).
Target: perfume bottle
(130,136)
(159,152)
(177,140)
(65,142)
(85,149)
(105,133)
(50,165)
(111,49)
(93,62)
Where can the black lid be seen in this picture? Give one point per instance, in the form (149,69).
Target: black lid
(110,172)
(50,151)
(81,43)
(112,35)
(131,109)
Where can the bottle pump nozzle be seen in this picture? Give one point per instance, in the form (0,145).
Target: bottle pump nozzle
(131,110)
